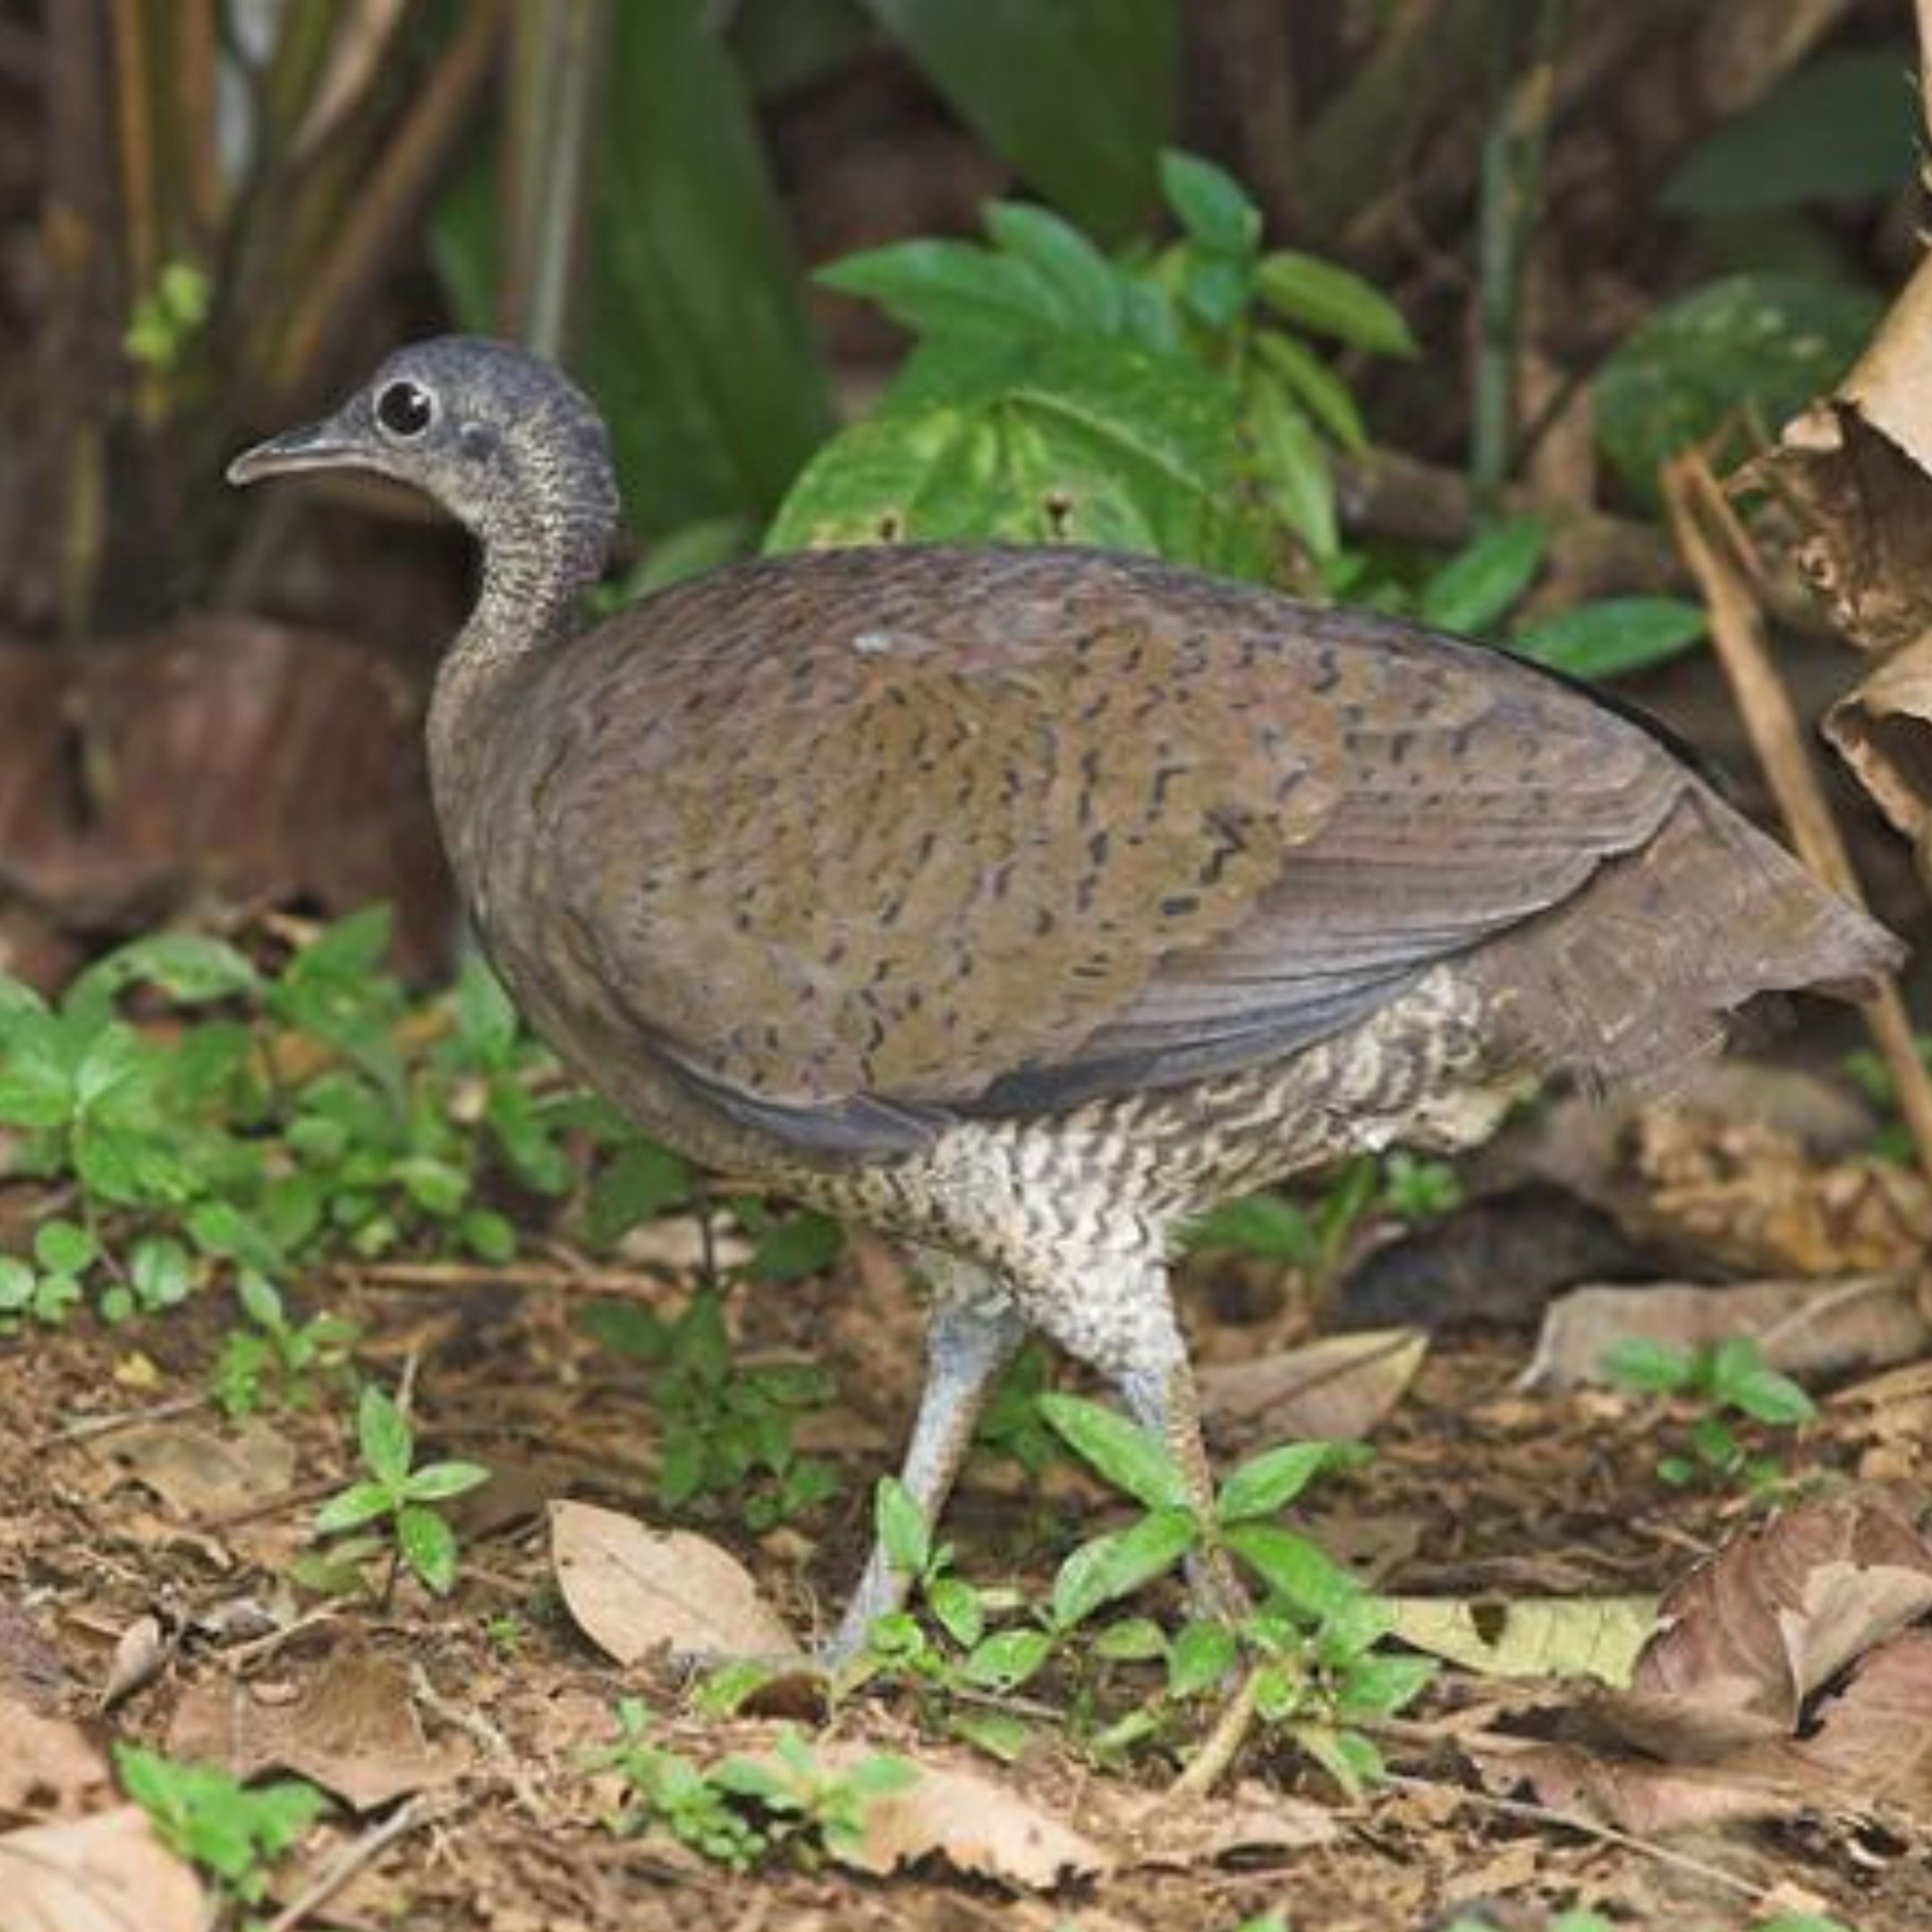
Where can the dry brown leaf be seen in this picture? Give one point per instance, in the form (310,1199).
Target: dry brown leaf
(979,1827)
(48,1767)
(1748,1637)
(1334,1390)
(107,1873)
(1806,1326)
(30,1666)
(1155,1829)
(634,1590)
(202,1474)
(352,1728)
(1874,1740)
(140,1653)
(1598,1637)
(1637,1795)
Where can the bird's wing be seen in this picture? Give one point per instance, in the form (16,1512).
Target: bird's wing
(888,837)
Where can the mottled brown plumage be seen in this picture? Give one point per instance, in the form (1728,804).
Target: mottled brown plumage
(1026,902)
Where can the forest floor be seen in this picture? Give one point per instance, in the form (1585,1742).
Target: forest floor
(145,1593)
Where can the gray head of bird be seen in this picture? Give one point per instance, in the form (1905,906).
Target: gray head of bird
(503,440)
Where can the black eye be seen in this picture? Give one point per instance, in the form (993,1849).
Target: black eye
(404,409)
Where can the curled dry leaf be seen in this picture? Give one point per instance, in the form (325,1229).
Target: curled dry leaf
(49,1767)
(1807,1328)
(979,1826)
(634,1590)
(1156,1828)
(350,1728)
(201,1473)
(140,1653)
(1598,1637)
(107,1873)
(1334,1390)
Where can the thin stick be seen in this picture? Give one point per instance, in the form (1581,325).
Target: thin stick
(1219,1749)
(1718,554)
(354,1858)
(1536,1814)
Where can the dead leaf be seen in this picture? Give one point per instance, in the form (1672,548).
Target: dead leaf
(140,1653)
(1334,1390)
(634,1590)
(979,1827)
(29,1663)
(1597,1637)
(202,1474)
(1883,730)
(49,1766)
(352,1728)
(1807,1328)
(1155,1829)
(107,1873)
(1748,1637)
(1873,1740)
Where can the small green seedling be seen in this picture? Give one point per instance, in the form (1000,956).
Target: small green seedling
(745,1811)
(49,1287)
(1728,1378)
(269,1358)
(399,1496)
(210,1818)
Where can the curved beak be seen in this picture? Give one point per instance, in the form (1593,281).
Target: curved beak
(322,446)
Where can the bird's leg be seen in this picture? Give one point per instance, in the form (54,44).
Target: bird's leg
(1117,1314)
(972,1332)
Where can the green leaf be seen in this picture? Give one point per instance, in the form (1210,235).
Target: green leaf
(359,1503)
(1335,302)
(36,1090)
(643,1182)
(1294,1568)
(903,1533)
(1077,96)
(387,1443)
(1268,1483)
(956,1607)
(952,288)
(1213,207)
(1202,1656)
(1292,467)
(1135,1640)
(218,1227)
(159,1271)
(1129,1458)
(1091,285)
(802,1245)
(65,1246)
(352,948)
(1614,636)
(1006,1661)
(1476,587)
(1320,391)
(1261,1224)
(192,969)
(1842,128)
(113,1058)
(488,1236)
(16,1285)
(1116,1565)
(486,1020)
(1699,369)
(438,1482)
(428,1546)
(1659,1368)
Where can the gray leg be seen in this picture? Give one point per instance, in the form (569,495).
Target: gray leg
(972,1332)
(1117,1315)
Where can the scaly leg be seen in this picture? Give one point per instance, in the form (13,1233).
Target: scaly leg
(971,1333)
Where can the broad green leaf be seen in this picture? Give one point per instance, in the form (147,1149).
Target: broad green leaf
(1200,1658)
(359,1503)
(112,1060)
(1135,1640)
(160,1271)
(957,288)
(35,1089)
(802,1244)
(1270,1481)
(901,1528)
(1076,96)
(16,1285)
(956,1608)
(19,1006)
(486,1020)
(353,947)
(64,1247)
(643,1182)
(1129,1458)
(1261,1224)
(1766,1396)
(428,1546)
(1335,302)
(1213,207)
(1381,1685)
(1293,1567)
(1117,1564)
(1614,636)
(1292,466)
(1320,391)
(1004,1661)
(488,1236)
(1748,348)
(1657,1367)
(1474,589)
(384,1434)
(438,1482)
(218,1227)
(1090,284)
(190,968)
(1842,128)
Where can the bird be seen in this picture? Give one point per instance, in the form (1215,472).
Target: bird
(1023,903)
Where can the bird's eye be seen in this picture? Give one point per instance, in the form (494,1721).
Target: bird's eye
(404,409)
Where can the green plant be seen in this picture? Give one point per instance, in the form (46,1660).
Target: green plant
(1724,1379)
(268,1357)
(399,1496)
(744,1811)
(728,1434)
(214,1821)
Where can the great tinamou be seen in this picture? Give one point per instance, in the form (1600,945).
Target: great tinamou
(1025,902)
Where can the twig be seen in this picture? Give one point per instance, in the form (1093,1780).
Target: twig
(89,1427)
(1219,1747)
(1545,1815)
(1719,554)
(354,1857)
(486,1736)
(512,1275)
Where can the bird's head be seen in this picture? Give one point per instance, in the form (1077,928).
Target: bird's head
(503,440)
